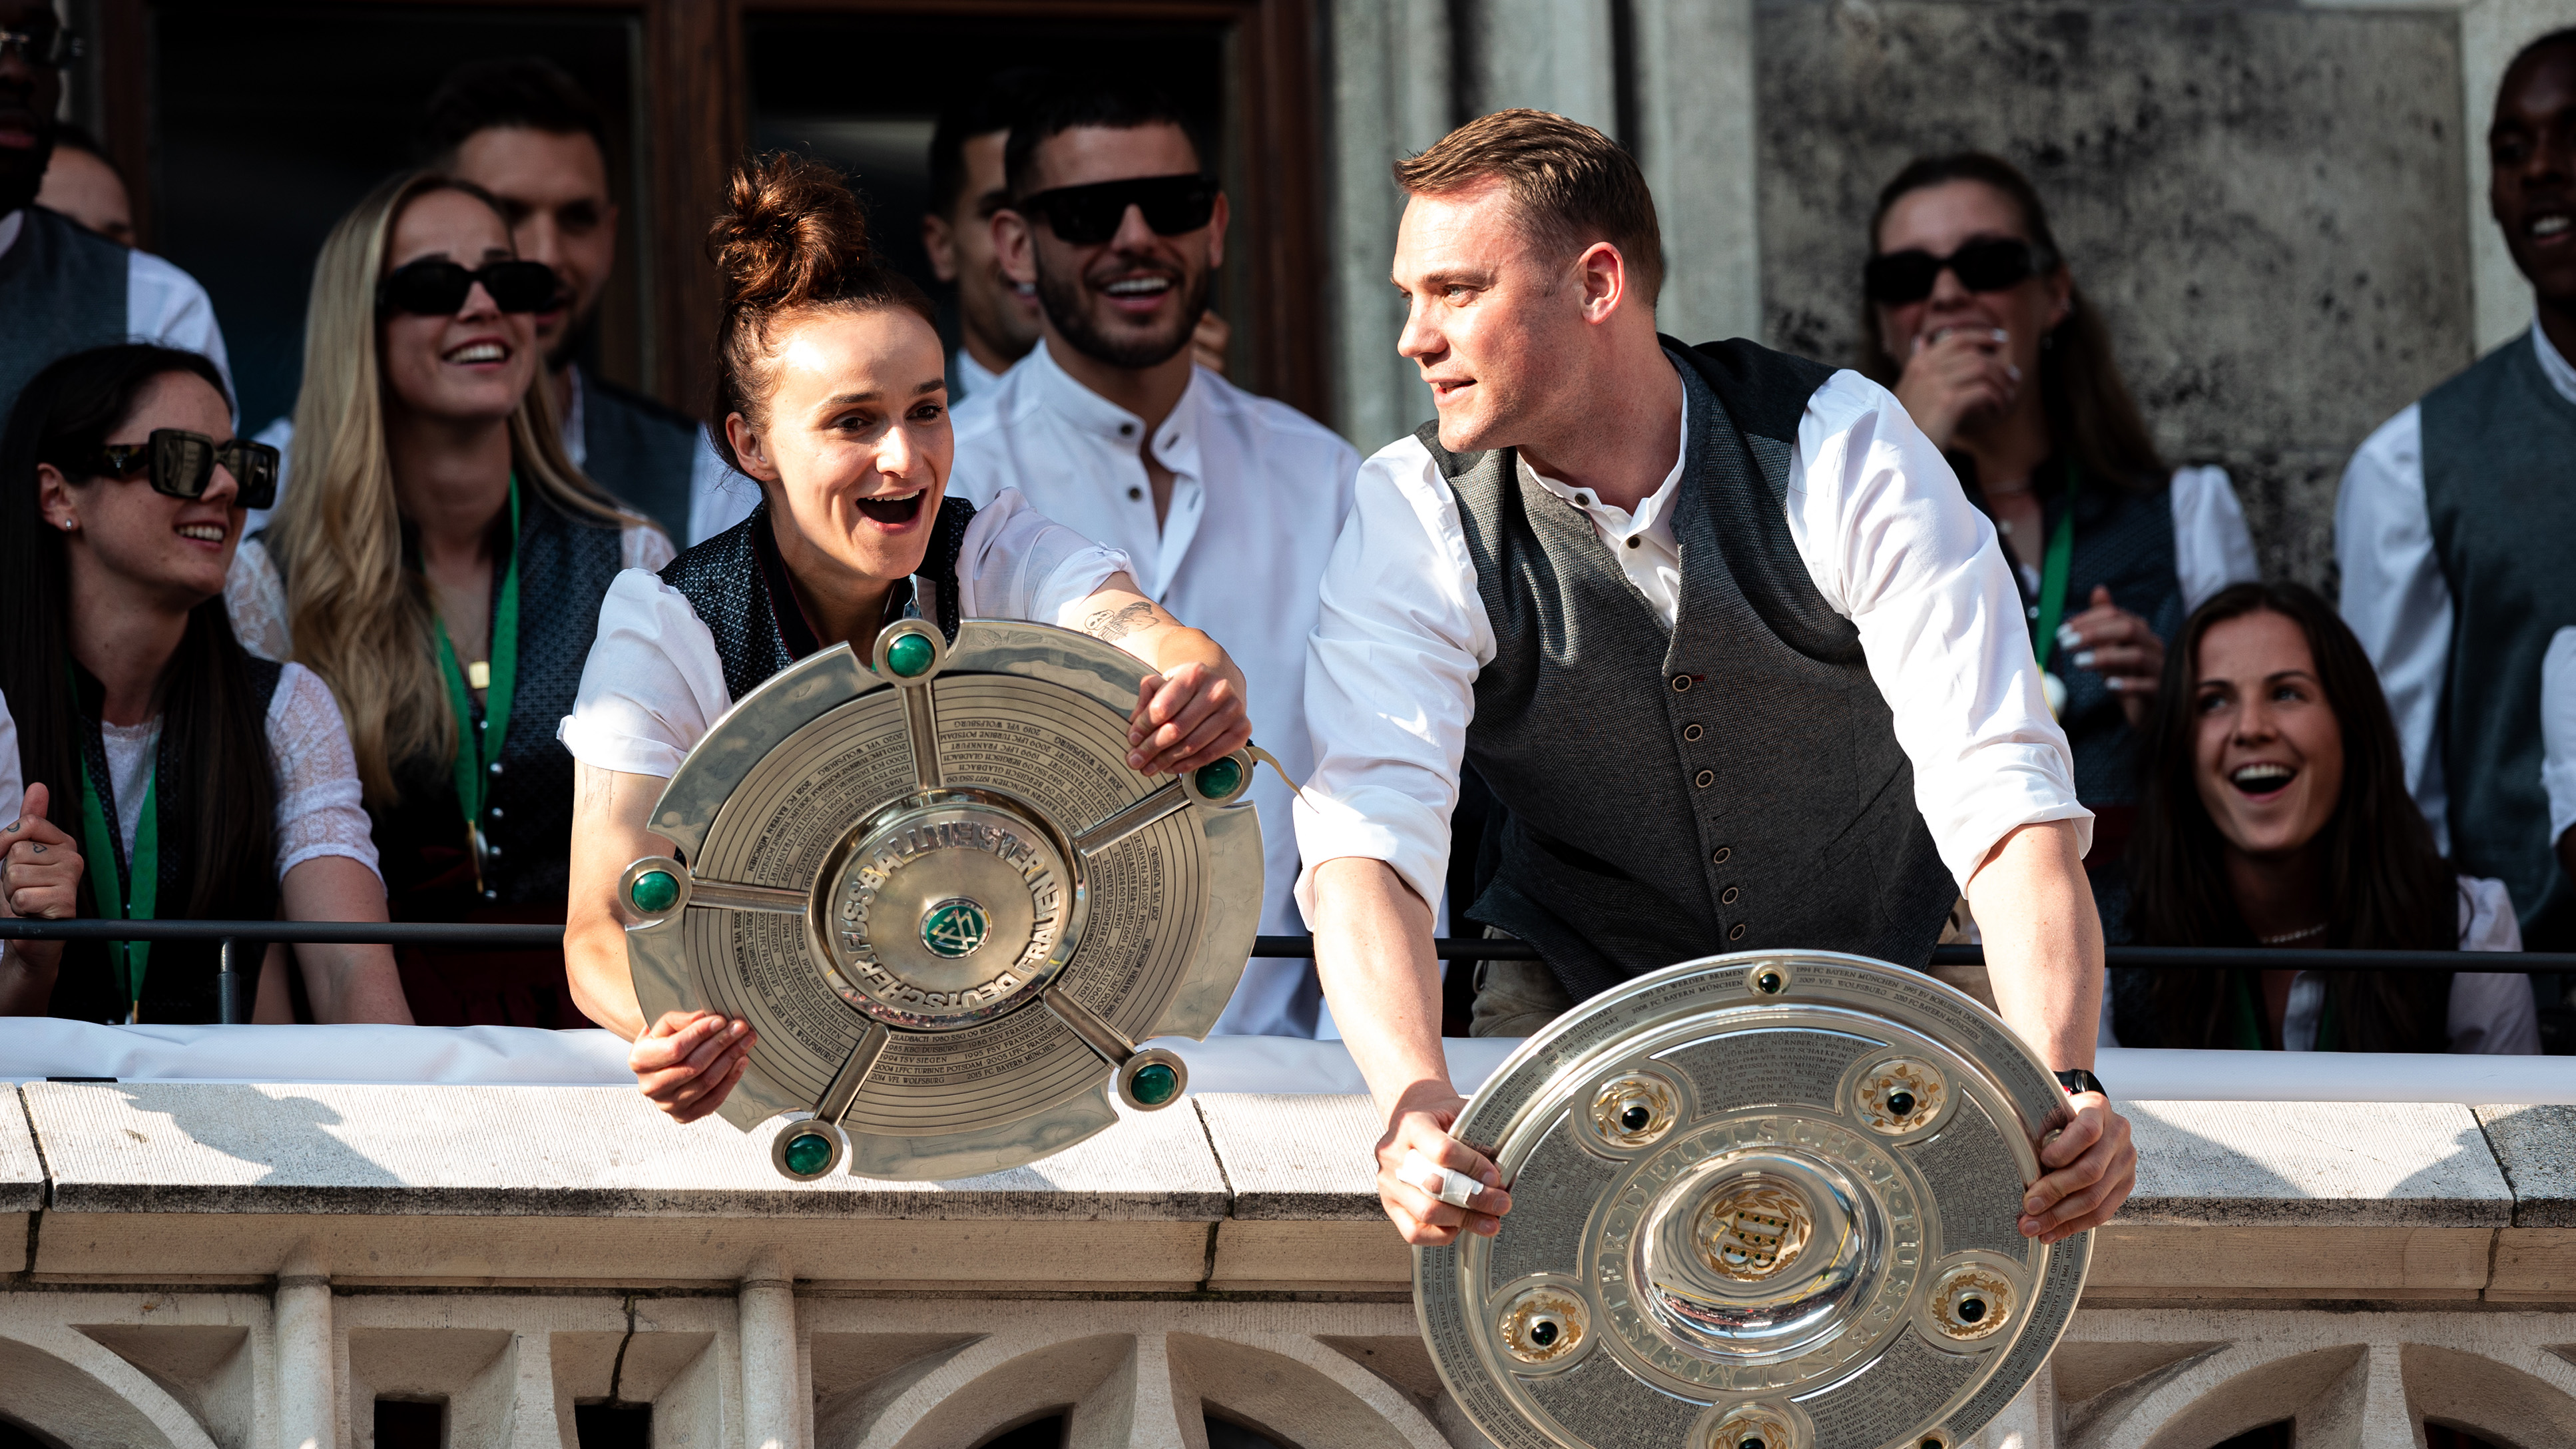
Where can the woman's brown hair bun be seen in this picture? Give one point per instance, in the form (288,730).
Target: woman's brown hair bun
(792,238)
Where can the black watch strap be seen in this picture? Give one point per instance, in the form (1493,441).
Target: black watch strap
(2079,1081)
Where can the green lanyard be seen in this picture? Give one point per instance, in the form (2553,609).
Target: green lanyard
(142,881)
(477,749)
(2052,577)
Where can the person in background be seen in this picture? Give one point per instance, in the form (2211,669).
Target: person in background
(2275,814)
(1229,503)
(81,183)
(2558,744)
(439,562)
(1973,318)
(168,772)
(997,316)
(64,289)
(523,130)
(2456,521)
(830,385)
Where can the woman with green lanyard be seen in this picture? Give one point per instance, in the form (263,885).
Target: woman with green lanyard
(165,772)
(440,562)
(1974,321)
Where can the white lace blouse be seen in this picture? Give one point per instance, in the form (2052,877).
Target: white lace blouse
(319,811)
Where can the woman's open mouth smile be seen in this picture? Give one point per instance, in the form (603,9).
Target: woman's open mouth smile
(893,510)
(2263,780)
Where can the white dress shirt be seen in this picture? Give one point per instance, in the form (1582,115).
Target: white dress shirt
(967,377)
(162,303)
(2558,730)
(1888,538)
(2394,595)
(654,684)
(1259,492)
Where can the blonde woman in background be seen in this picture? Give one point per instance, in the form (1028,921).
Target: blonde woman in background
(440,563)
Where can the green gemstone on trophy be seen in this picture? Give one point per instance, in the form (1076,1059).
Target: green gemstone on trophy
(1768,983)
(955,928)
(808,1153)
(1217,778)
(1155,1083)
(653,892)
(909,656)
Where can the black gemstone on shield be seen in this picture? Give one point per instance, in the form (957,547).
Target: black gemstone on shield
(1971,1310)
(1768,982)
(1900,1104)
(1635,1118)
(1542,1333)
(1751,1444)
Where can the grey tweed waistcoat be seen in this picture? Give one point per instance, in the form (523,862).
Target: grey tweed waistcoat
(2500,492)
(1732,785)
(62,290)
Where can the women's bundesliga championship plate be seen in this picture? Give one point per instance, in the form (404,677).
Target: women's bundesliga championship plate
(944,902)
(1763,1201)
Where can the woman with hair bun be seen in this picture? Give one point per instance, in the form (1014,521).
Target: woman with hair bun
(831,392)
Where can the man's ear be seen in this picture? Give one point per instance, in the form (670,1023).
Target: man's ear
(1604,276)
(941,243)
(1216,233)
(1014,247)
(748,449)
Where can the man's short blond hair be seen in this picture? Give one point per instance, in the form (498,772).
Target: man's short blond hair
(1572,185)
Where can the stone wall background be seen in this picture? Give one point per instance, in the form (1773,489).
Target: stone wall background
(2265,203)
(2279,207)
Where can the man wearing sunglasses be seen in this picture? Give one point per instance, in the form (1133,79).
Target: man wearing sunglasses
(522,129)
(2456,522)
(1720,632)
(63,288)
(1228,503)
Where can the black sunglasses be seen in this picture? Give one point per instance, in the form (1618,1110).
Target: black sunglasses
(1989,264)
(182,465)
(439,289)
(1089,215)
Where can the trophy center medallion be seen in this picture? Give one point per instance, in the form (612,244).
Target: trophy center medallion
(1753,1231)
(947,912)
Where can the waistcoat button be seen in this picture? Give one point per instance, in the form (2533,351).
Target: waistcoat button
(1728,898)
(1681,684)
(1704,778)
(1690,732)
(1737,934)
(1719,858)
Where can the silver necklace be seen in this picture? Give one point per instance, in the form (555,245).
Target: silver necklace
(2287,937)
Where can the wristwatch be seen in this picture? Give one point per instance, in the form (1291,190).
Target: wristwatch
(2079,1081)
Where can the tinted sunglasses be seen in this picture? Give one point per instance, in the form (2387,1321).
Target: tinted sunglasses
(1987,265)
(439,289)
(182,465)
(1089,215)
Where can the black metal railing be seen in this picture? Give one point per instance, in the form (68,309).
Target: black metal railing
(232,935)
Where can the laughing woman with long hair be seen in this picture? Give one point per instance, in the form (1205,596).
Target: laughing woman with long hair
(438,560)
(166,773)
(2275,814)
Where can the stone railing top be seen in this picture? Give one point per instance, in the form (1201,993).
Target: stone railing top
(604,1152)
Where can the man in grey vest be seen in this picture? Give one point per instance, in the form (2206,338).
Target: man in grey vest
(63,288)
(2457,519)
(1722,634)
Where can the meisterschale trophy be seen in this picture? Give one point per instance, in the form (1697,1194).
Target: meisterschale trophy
(944,902)
(1760,1201)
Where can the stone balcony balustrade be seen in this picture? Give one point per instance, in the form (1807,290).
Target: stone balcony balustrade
(242,1265)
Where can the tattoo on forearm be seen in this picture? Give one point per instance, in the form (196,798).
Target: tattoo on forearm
(1109,626)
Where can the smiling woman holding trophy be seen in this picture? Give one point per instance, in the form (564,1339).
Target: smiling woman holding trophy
(831,394)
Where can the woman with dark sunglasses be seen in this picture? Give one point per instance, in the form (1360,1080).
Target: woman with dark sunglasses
(1973,319)
(166,772)
(440,561)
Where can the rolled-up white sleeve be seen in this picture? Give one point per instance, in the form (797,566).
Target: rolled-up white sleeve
(1894,546)
(652,685)
(1017,563)
(1390,678)
(2396,600)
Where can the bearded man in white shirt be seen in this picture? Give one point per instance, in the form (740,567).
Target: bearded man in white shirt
(2455,522)
(1227,503)
(1720,631)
